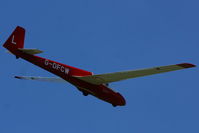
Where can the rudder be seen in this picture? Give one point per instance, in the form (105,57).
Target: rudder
(16,39)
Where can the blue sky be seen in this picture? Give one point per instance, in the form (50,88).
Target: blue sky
(102,36)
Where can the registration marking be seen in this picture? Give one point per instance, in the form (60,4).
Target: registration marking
(56,66)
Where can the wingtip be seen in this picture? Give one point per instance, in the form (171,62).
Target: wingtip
(17,77)
(186,65)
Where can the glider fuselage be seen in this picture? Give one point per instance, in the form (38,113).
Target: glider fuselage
(85,81)
(69,73)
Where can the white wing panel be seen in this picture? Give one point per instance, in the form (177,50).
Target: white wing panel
(46,79)
(117,76)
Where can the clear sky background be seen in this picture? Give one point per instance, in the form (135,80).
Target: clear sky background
(102,36)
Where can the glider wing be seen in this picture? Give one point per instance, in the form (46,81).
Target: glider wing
(46,79)
(117,76)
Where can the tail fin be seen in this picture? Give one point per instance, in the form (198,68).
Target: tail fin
(16,39)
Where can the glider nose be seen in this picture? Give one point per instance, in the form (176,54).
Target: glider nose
(121,100)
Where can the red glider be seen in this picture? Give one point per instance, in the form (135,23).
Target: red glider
(85,81)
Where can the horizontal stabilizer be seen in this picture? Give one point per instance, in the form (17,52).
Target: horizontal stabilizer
(31,51)
(117,76)
(46,79)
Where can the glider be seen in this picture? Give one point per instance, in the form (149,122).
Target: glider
(85,81)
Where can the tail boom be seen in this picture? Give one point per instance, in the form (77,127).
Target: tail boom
(15,45)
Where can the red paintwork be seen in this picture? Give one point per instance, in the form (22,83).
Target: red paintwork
(64,71)
(17,37)
(186,65)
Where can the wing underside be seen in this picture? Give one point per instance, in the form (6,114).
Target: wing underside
(113,77)
(46,79)
(117,76)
